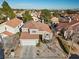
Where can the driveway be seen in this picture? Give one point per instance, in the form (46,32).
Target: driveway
(27,52)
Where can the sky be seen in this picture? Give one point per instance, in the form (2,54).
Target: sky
(43,4)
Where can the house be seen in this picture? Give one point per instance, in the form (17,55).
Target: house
(65,24)
(33,31)
(73,31)
(10,27)
(36,15)
(70,28)
(55,20)
(29,39)
(13,25)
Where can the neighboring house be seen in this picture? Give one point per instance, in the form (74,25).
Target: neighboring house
(55,20)
(66,25)
(73,31)
(75,16)
(13,25)
(33,31)
(36,15)
(65,19)
(35,18)
(10,27)
(7,31)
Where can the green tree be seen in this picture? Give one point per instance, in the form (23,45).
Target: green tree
(7,10)
(71,11)
(56,14)
(1,14)
(46,15)
(27,16)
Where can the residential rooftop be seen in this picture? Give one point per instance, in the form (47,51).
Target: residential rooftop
(37,25)
(25,35)
(7,33)
(13,22)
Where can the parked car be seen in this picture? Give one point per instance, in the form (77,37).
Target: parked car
(1,53)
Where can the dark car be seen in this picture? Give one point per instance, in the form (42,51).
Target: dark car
(1,53)
(74,56)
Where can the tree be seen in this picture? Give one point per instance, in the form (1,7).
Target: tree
(46,15)
(62,32)
(27,16)
(56,14)
(7,10)
(71,11)
(1,17)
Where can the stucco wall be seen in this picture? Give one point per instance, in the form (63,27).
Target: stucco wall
(10,29)
(47,35)
(25,42)
(13,30)
(3,35)
(2,28)
(24,29)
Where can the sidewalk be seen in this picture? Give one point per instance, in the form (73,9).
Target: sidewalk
(18,51)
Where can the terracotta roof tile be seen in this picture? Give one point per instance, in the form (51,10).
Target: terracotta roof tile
(37,25)
(25,35)
(7,33)
(66,25)
(13,22)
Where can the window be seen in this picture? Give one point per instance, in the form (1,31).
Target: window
(47,36)
(33,31)
(5,28)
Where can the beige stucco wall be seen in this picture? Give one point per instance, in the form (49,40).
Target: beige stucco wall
(25,42)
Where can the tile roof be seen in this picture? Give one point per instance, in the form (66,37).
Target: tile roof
(13,22)
(37,25)
(25,35)
(66,25)
(74,26)
(7,33)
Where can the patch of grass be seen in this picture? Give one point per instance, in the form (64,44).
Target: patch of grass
(38,44)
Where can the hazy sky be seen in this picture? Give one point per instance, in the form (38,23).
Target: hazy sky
(49,4)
